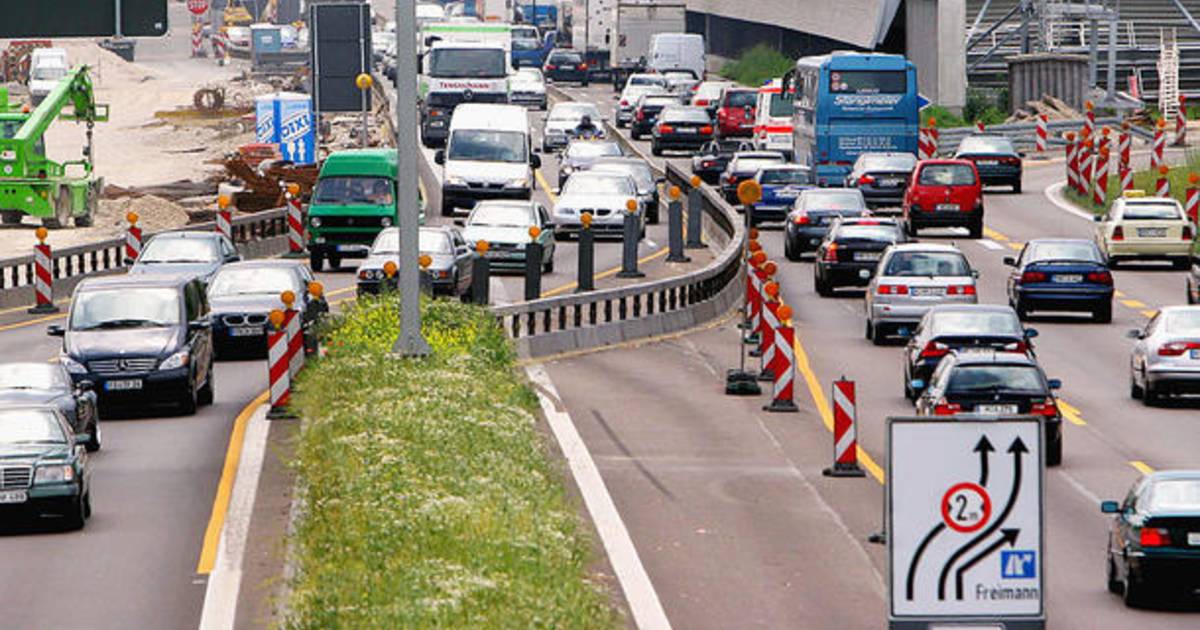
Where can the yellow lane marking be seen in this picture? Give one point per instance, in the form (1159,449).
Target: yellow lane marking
(1133,303)
(1148,313)
(1071,413)
(30,322)
(1015,246)
(818,396)
(541,180)
(1119,293)
(15,309)
(570,286)
(994,235)
(233,455)
(1141,467)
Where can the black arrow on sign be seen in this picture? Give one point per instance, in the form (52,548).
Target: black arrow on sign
(1010,537)
(1017,449)
(983,448)
(912,568)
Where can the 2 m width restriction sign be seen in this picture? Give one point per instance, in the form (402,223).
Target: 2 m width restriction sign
(965,523)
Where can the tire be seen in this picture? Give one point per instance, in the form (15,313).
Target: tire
(560,236)
(1103,315)
(335,262)
(655,150)
(879,336)
(1134,594)
(1114,585)
(1149,394)
(977,229)
(910,228)
(789,251)
(1016,187)
(187,405)
(1054,450)
(652,215)
(1135,391)
(823,288)
(447,209)
(11,217)
(1181,264)
(1022,311)
(869,333)
(93,444)
(316,260)
(62,211)
(548,266)
(76,516)
(635,135)
(205,396)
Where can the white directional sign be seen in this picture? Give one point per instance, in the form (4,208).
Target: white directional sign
(965,522)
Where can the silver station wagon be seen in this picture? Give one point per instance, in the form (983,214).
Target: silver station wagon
(911,279)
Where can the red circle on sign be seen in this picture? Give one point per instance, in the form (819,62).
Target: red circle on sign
(197,6)
(952,522)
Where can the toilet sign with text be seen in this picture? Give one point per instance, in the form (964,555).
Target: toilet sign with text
(964,522)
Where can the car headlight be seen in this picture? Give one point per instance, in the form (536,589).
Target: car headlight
(177,360)
(455,181)
(386,222)
(73,366)
(53,473)
(315,222)
(519,182)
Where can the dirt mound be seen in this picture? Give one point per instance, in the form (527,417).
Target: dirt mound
(154,213)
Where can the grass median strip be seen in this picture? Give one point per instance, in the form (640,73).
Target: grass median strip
(431,499)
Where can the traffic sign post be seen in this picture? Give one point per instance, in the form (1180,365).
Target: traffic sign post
(964,521)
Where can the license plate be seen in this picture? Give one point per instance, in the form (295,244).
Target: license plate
(927,291)
(996,409)
(122,386)
(867,256)
(1067,278)
(947,206)
(890,183)
(777,137)
(14,496)
(988,162)
(245,331)
(1194,354)
(1194,538)
(352,248)
(685,130)
(437,124)
(1152,232)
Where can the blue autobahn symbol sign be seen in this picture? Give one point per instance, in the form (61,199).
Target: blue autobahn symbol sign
(1018,564)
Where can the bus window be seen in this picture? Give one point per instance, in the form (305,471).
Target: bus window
(867,82)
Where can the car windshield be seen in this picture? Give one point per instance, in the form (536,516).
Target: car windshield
(125,308)
(488,146)
(885,233)
(596,184)
(180,250)
(973,379)
(927,264)
(501,216)
(572,112)
(902,162)
(976,323)
(253,281)
(1169,495)
(740,98)
(780,107)
(48,73)
(482,63)
(947,175)
(30,426)
(353,190)
(659,101)
(592,149)
(832,200)
(33,376)
(640,173)
(784,176)
(433,242)
(1078,250)
(986,144)
(1185,322)
(1151,211)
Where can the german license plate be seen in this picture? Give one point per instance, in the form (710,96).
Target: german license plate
(14,496)
(352,248)
(927,291)
(867,256)
(996,409)
(1194,354)
(245,331)
(123,385)
(1194,538)
(1152,232)
(988,162)
(1067,278)
(947,206)
(686,130)
(890,183)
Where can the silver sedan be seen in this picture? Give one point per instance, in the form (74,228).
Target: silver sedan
(911,279)
(1166,357)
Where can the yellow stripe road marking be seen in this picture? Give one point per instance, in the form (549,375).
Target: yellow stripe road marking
(1071,413)
(15,309)
(1015,246)
(570,286)
(30,322)
(1133,303)
(233,454)
(1141,467)
(994,235)
(1119,293)
(541,180)
(1149,313)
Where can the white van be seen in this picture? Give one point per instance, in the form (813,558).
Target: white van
(773,120)
(682,51)
(47,66)
(488,155)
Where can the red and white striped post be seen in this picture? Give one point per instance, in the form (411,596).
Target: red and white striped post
(845,441)
(932,139)
(197,37)
(1089,118)
(294,327)
(979,126)
(1160,143)
(754,281)
(1043,131)
(133,238)
(1072,164)
(1181,122)
(221,47)
(1085,167)
(783,394)
(1100,186)
(224,222)
(1163,187)
(278,369)
(43,275)
(1124,142)
(295,221)
(770,324)
(1126,178)
(923,152)
(1191,205)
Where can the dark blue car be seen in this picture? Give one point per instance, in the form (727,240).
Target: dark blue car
(1061,275)
(781,186)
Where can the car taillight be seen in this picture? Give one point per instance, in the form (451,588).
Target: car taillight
(708,164)
(435,112)
(706,130)
(1100,277)
(831,253)
(582,66)
(1186,235)
(1033,276)
(934,350)
(866,180)
(1047,408)
(696,87)
(641,115)
(960,289)
(722,115)
(892,289)
(551,66)
(1154,537)
(732,179)
(1177,348)
(801,219)
(1011,161)
(624,103)
(664,128)
(944,408)
(1016,346)
(701,102)
(1118,233)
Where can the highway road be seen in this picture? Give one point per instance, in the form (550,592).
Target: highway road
(726,503)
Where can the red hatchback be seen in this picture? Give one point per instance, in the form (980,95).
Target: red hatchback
(944,193)
(736,114)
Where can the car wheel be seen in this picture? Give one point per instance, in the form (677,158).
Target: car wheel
(187,405)
(1054,449)
(910,228)
(652,216)
(1134,593)
(655,150)
(448,208)
(1017,187)
(977,229)
(76,515)
(635,135)
(879,336)
(1114,585)
(869,333)
(823,288)
(1149,393)
(335,262)
(560,236)
(205,395)
(1191,295)
(316,261)
(1181,264)
(909,393)
(1022,311)
(93,444)
(548,266)
(789,251)
(1103,315)
(1135,391)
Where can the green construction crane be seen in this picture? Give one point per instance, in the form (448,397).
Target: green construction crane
(31,183)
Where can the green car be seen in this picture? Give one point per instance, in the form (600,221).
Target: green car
(43,466)
(355,199)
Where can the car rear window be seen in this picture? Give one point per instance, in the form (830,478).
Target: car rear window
(1082,250)
(903,162)
(986,144)
(977,379)
(752,165)
(1175,494)
(589,148)
(1184,322)
(685,114)
(976,323)
(927,264)
(740,99)
(947,175)
(832,200)
(642,79)
(886,233)
(566,58)
(868,81)
(1151,211)
(785,176)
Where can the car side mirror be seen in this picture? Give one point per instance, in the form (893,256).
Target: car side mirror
(198,325)
(85,386)
(54,330)
(1010,261)
(232,258)
(535,161)
(1054,384)
(81,439)
(439,157)
(1110,507)
(975,273)
(1134,333)
(1020,154)
(1030,333)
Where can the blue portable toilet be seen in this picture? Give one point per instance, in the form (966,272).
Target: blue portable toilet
(286,119)
(265,38)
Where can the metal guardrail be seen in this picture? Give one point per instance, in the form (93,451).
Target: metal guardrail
(1022,133)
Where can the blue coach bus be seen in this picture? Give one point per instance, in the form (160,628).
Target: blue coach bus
(848,103)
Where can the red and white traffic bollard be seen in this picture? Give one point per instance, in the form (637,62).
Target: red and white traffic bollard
(294,327)
(1126,178)
(197,37)
(1085,168)
(43,275)
(1089,118)
(845,441)
(979,126)
(923,152)
(1124,141)
(1160,143)
(1100,186)
(1043,131)
(295,221)
(1181,122)
(783,368)
(1191,206)
(766,347)
(932,140)
(224,222)
(278,367)
(770,291)
(1163,187)
(1072,165)
(133,238)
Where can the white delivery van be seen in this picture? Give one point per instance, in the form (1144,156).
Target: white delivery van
(678,51)
(488,155)
(46,67)
(773,120)
(635,23)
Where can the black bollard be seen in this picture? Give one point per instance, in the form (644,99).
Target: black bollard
(533,266)
(587,255)
(675,228)
(481,275)
(629,257)
(695,215)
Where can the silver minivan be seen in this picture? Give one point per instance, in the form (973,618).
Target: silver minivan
(911,279)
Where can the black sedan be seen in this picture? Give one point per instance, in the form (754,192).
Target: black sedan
(1154,542)
(1059,274)
(566,65)
(714,156)
(882,178)
(449,269)
(645,115)
(198,254)
(49,384)
(743,166)
(814,213)
(43,472)
(851,251)
(951,327)
(997,161)
(242,296)
(681,128)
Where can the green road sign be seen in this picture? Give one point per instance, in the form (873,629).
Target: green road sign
(81,18)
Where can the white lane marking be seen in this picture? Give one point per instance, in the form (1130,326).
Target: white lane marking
(1079,487)
(651,244)
(1053,193)
(225,581)
(989,243)
(643,601)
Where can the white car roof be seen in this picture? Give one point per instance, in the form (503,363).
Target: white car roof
(493,117)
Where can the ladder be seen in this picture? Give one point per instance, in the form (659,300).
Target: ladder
(1168,74)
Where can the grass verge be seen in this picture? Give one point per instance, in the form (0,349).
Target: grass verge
(757,65)
(431,501)
(1145,180)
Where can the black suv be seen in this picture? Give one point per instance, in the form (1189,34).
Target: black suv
(141,340)
(566,65)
